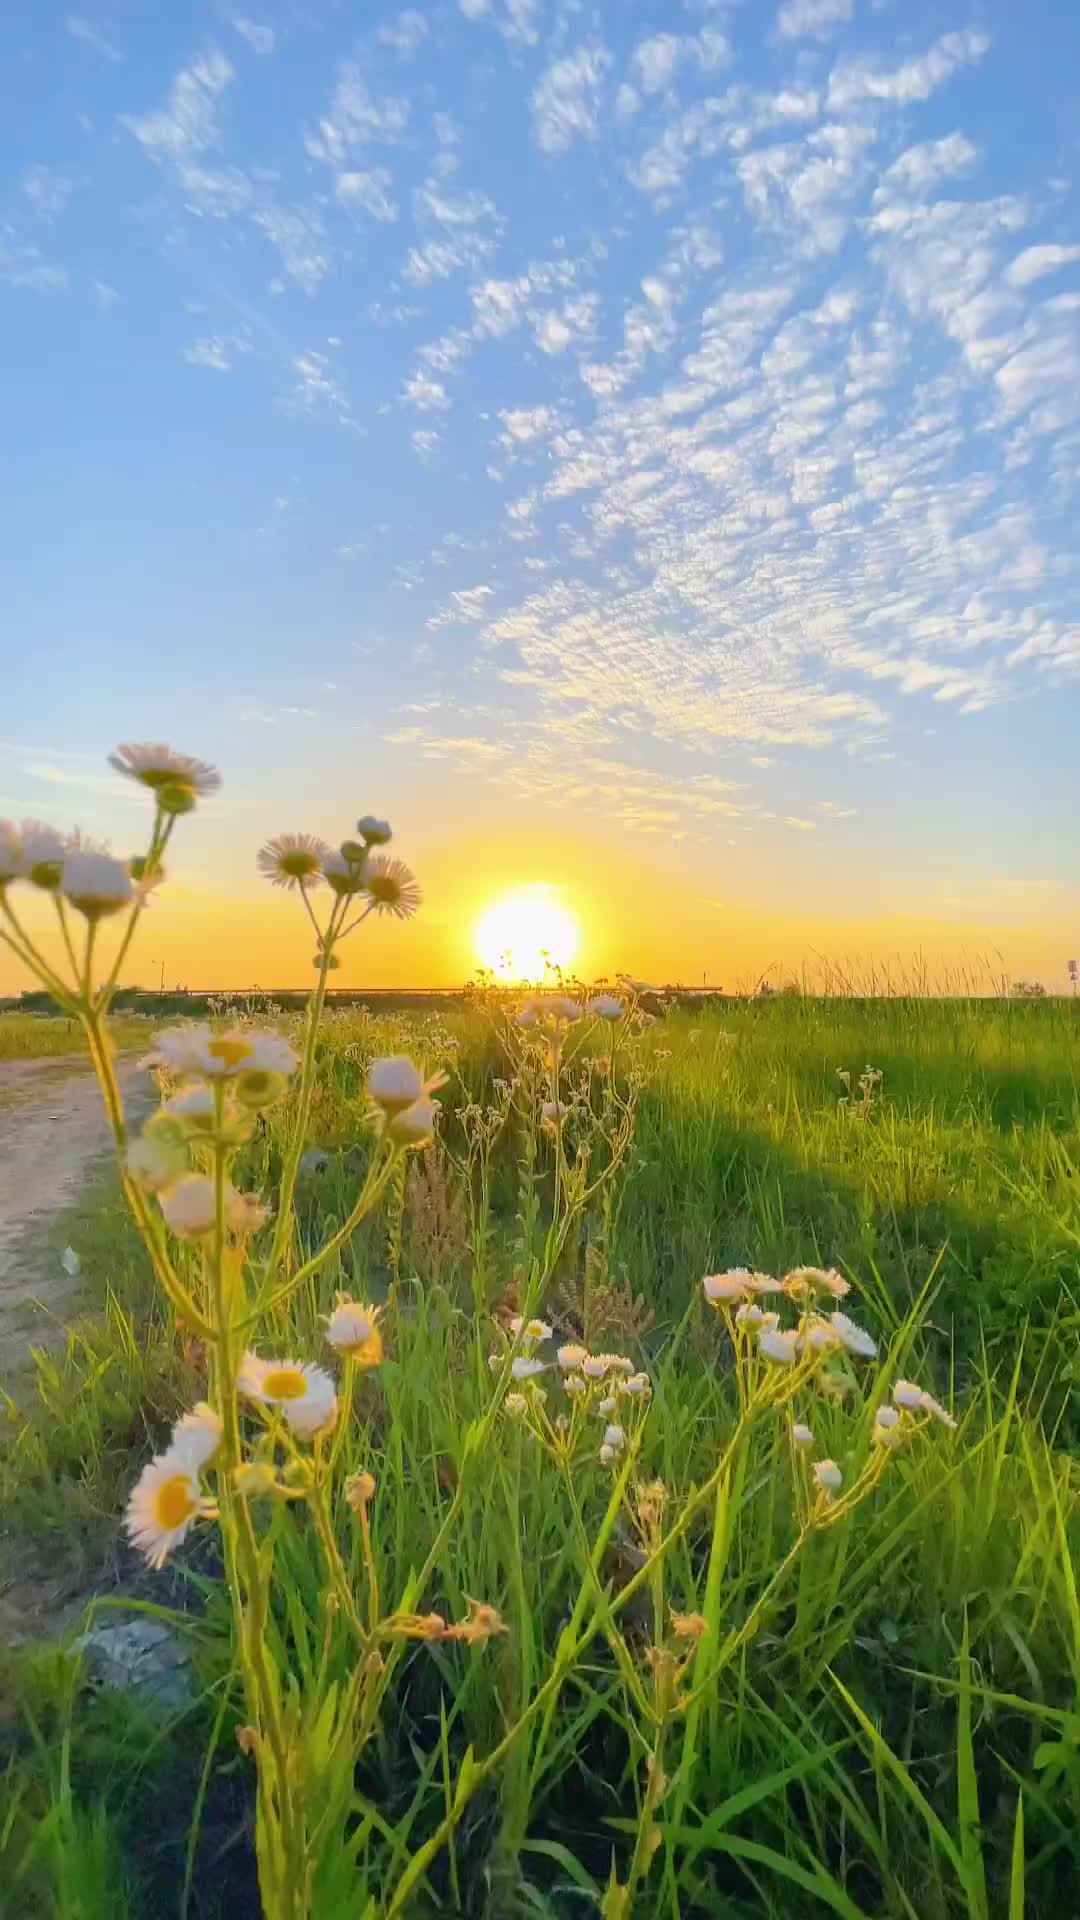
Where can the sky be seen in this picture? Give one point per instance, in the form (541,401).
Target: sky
(634,447)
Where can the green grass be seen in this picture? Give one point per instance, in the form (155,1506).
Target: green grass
(42,1036)
(901,1737)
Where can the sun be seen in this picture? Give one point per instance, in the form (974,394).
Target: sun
(525,934)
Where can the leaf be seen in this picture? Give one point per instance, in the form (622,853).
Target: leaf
(967,1793)
(1016,1876)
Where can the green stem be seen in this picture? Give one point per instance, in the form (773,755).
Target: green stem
(284,1223)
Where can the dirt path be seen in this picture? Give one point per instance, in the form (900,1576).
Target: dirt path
(53,1136)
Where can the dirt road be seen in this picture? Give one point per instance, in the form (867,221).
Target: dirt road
(53,1135)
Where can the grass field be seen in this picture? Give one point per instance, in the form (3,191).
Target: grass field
(882,1715)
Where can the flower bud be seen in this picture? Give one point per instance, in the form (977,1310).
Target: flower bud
(259,1089)
(176,799)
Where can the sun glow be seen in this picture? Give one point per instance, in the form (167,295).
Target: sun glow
(526,934)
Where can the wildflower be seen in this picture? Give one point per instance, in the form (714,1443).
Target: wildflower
(260,1089)
(930,1405)
(571,1357)
(516,1405)
(835,1386)
(732,1285)
(156,1162)
(42,852)
(751,1315)
(887,1427)
(353,1329)
(304,1393)
(558,1006)
(188,1206)
(688,1626)
(614,1436)
(197,1435)
(415,1127)
(522,1368)
(781,1347)
(244,1213)
(638,1384)
(170,775)
(193,1106)
(374,832)
(164,1503)
(606,1363)
(482,1623)
(95,883)
(10,853)
(607,1405)
(193,1048)
(393,887)
(828,1476)
(906,1394)
(853,1337)
(605,1006)
(254,1479)
(529,1329)
(359,1491)
(293,859)
(553,1113)
(576,1385)
(818,1335)
(803,1280)
(528,1017)
(396,1082)
(764,1283)
(343,876)
(607,1455)
(801,1434)
(416,1626)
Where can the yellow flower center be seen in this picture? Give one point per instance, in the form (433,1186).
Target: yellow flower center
(299,864)
(231,1051)
(286,1383)
(383,886)
(174,1504)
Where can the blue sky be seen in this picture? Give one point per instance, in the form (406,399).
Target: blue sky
(647,432)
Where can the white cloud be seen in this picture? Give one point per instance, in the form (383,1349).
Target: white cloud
(657,59)
(1034,262)
(522,425)
(212,351)
(25,266)
(404,33)
(865,77)
(816,19)
(187,123)
(356,119)
(425,394)
(262,40)
(567,98)
(47,191)
(299,242)
(517,20)
(368,192)
(924,166)
(90,36)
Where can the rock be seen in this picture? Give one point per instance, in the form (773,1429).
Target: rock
(144,1656)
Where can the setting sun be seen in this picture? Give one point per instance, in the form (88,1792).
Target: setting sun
(525,933)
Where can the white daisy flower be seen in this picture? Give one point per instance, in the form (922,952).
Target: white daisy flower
(95,883)
(196,1049)
(353,1329)
(42,851)
(803,1280)
(732,1285)
(304,1393)
(524,1368)
(818,1335)
(397,1082)
(930,1405)
(906,1394)
(415,1127)
(157,766)
(193,1105)
(188,1208)
(291,858)
(559,1006)
(607,1455)
(605,1006)
(607,1405)
(751,1315)
(576,1385)
(197,1435)
(801,1434)
(530,1329)
(886,1417)
(516,1405)
(571,1357)
(764,1283)
(638,1384)
(156,1162)
(887,1427)
(373,831)
(828,1476)
(554,1112)
(614,1436)
(781,1347)
(392,886)
(594,1366)
(343,876)
(10,853)
(164,1504)
(853,1337)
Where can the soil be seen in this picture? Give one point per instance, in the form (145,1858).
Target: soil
(53,1137)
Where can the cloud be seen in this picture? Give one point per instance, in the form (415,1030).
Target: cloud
(187,123)
(25,266)
(300,244)
(522,425)
(212,351)
(567,98)
(425,394)
(368,192)
(657,60)
(47,191)
(86,32)
(405,33)
(1034,262)
(866,77)
(517,20)
(924,166)
(815,19)
(262,40)
(356,119)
